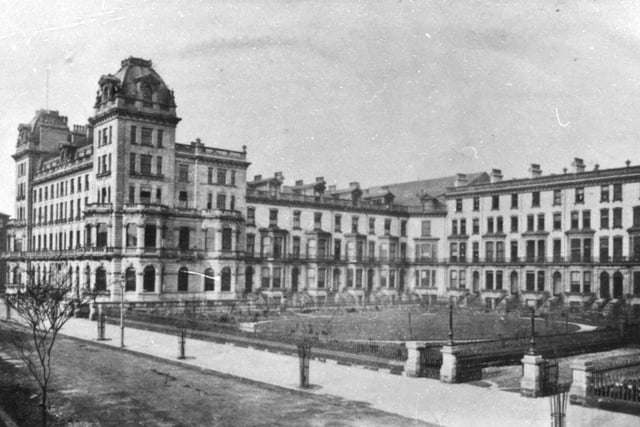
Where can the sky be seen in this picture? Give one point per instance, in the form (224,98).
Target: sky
(374,91)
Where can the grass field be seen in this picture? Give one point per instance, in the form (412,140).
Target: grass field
(402,325)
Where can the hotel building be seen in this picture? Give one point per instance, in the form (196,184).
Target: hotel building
(119,206)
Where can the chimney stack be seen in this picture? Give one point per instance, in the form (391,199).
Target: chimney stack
(319,179)
(354,185)
(578,165)
(257,178)
(332,188)
(299,183)
(535,170)
(461,179)
(279,176)
(496,175)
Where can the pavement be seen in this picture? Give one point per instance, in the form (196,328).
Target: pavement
(422,399)
(415,398)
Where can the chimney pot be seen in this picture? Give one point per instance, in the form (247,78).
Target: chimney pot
(461,179)
(628,163)
(578,165)
(535,170)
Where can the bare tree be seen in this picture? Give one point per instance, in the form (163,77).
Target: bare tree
(43,308)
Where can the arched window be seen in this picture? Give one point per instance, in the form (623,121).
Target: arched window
(183,280)
(248,279)
(604,285)
(101,279)
(618,291)
(69,276)
(87,277)
(149,280)
(226,279)
(209,281)
(130,280)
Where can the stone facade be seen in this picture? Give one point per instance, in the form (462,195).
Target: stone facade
(120,205)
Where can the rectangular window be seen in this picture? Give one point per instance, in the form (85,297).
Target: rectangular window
(499,280)
(488,251)
(454,227)
(579,195)
(575,282)
(145,164)
(159,165)
(372,226)
(145,196)
(210,176)
(617,248)
(586,250)
(557,221)
(586,282)
(617,192)
(530,222)
(575,250)
(488,279)
(495,203)
(475,251)
(453,279)
(540,281)
(354,224)
(227,239)
(490,225)
(586,219)
(426,228)
(458,205)
(403,228)
(500,251)
(273,217)
(636,217)
(183,173)
(132,163)
(514,201)
(604,249)
(133,135)
(453,252)
(514,250)
(475,227)
(145,137)
(575,220)
(158,195)
(463,226)
(604,193)
(476,204)
(338,223)
(317,220)
(222,177)
(160,134)
(535,199)
(499,225)
(557,250)
(387,226)
(531,250)
(251,245)
(540,222)
(514,224)
(296,219)
(617,217)
(209,200)
(251,215)
(232,180)
(221,201)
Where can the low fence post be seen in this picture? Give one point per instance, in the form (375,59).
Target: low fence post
(559,409)
(532,375)
(449,370)
(414,367)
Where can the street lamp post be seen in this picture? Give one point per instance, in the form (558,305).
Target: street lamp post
(450,323)
(532,342)
(122,287)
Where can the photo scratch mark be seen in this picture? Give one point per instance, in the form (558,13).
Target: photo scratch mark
(475,151)
(564,125)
